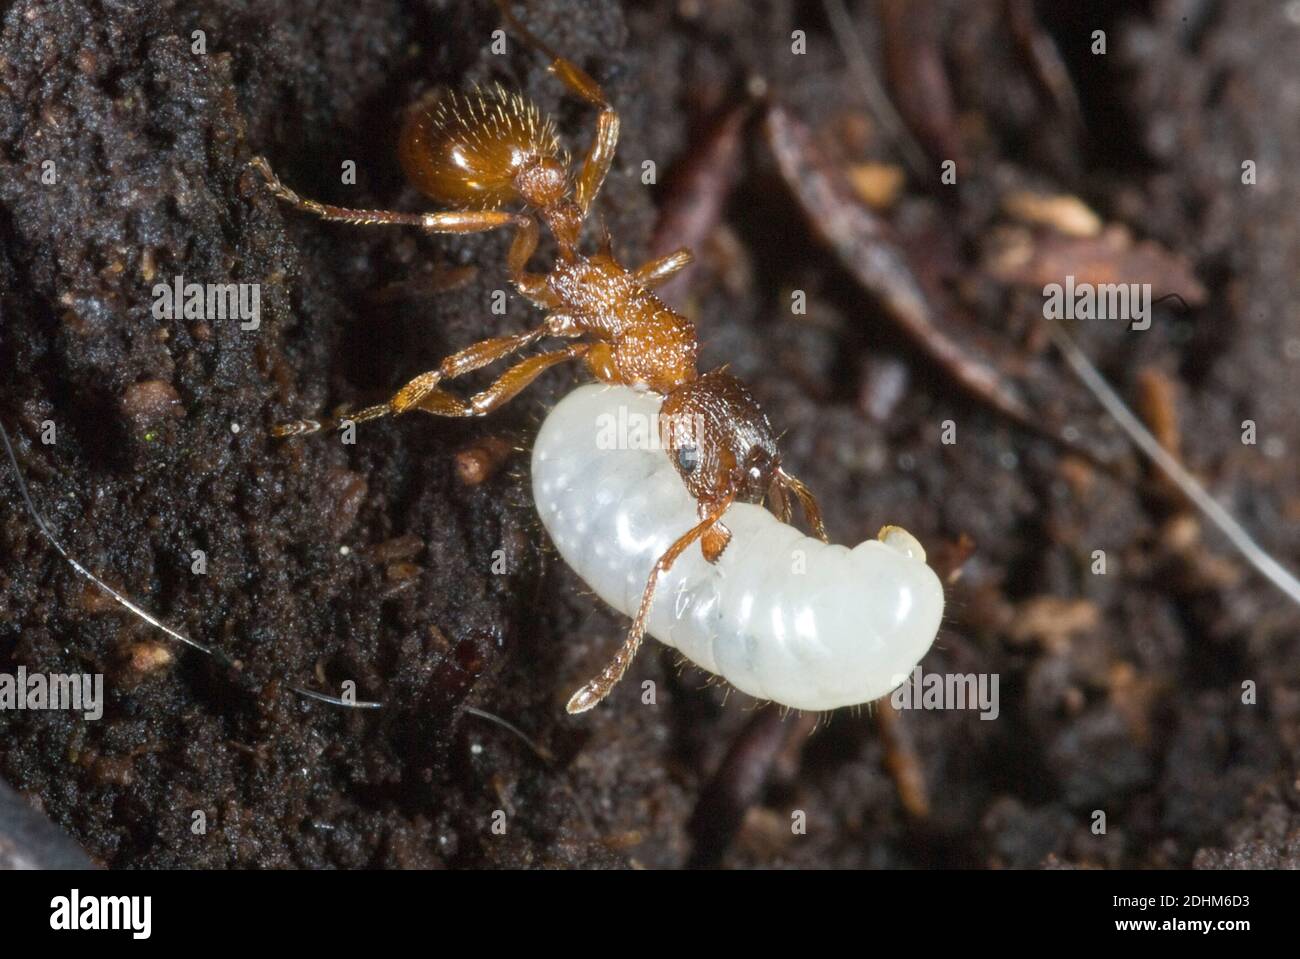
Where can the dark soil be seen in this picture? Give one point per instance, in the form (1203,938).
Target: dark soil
(1120,693)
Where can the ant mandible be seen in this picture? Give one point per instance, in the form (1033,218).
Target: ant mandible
(490,148)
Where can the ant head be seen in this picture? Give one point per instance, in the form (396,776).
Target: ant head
(719,439)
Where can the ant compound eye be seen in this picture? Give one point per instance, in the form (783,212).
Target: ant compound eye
(688,458)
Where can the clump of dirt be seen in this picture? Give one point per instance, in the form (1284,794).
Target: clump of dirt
(126,136)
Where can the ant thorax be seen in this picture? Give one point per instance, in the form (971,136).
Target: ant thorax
(653,346)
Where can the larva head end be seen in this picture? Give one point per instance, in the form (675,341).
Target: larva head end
(901,540)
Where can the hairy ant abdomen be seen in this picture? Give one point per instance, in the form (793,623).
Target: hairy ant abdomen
(481,150)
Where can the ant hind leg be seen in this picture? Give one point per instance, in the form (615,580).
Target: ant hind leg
(600,155)
(449,221)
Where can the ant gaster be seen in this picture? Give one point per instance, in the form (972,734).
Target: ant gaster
(489,149)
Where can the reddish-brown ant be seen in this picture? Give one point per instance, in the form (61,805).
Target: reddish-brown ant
(489,149)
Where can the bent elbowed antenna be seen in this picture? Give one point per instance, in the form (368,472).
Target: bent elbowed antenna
(139,611)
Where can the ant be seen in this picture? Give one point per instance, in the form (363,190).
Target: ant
(491,148)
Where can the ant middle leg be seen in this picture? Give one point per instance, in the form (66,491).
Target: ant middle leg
(509,385)
(532,286)
(417,391)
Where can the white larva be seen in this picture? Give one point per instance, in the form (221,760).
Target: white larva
(781,616)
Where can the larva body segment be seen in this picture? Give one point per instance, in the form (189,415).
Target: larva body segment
(781,615)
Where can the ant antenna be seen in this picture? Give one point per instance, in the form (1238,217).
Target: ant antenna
(144,614)
(1258,557)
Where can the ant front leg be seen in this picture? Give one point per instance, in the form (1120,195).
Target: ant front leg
(715,540)
(423,392)
(600,155)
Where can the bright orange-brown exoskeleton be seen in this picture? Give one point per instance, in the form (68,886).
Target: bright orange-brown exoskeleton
(495,159)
